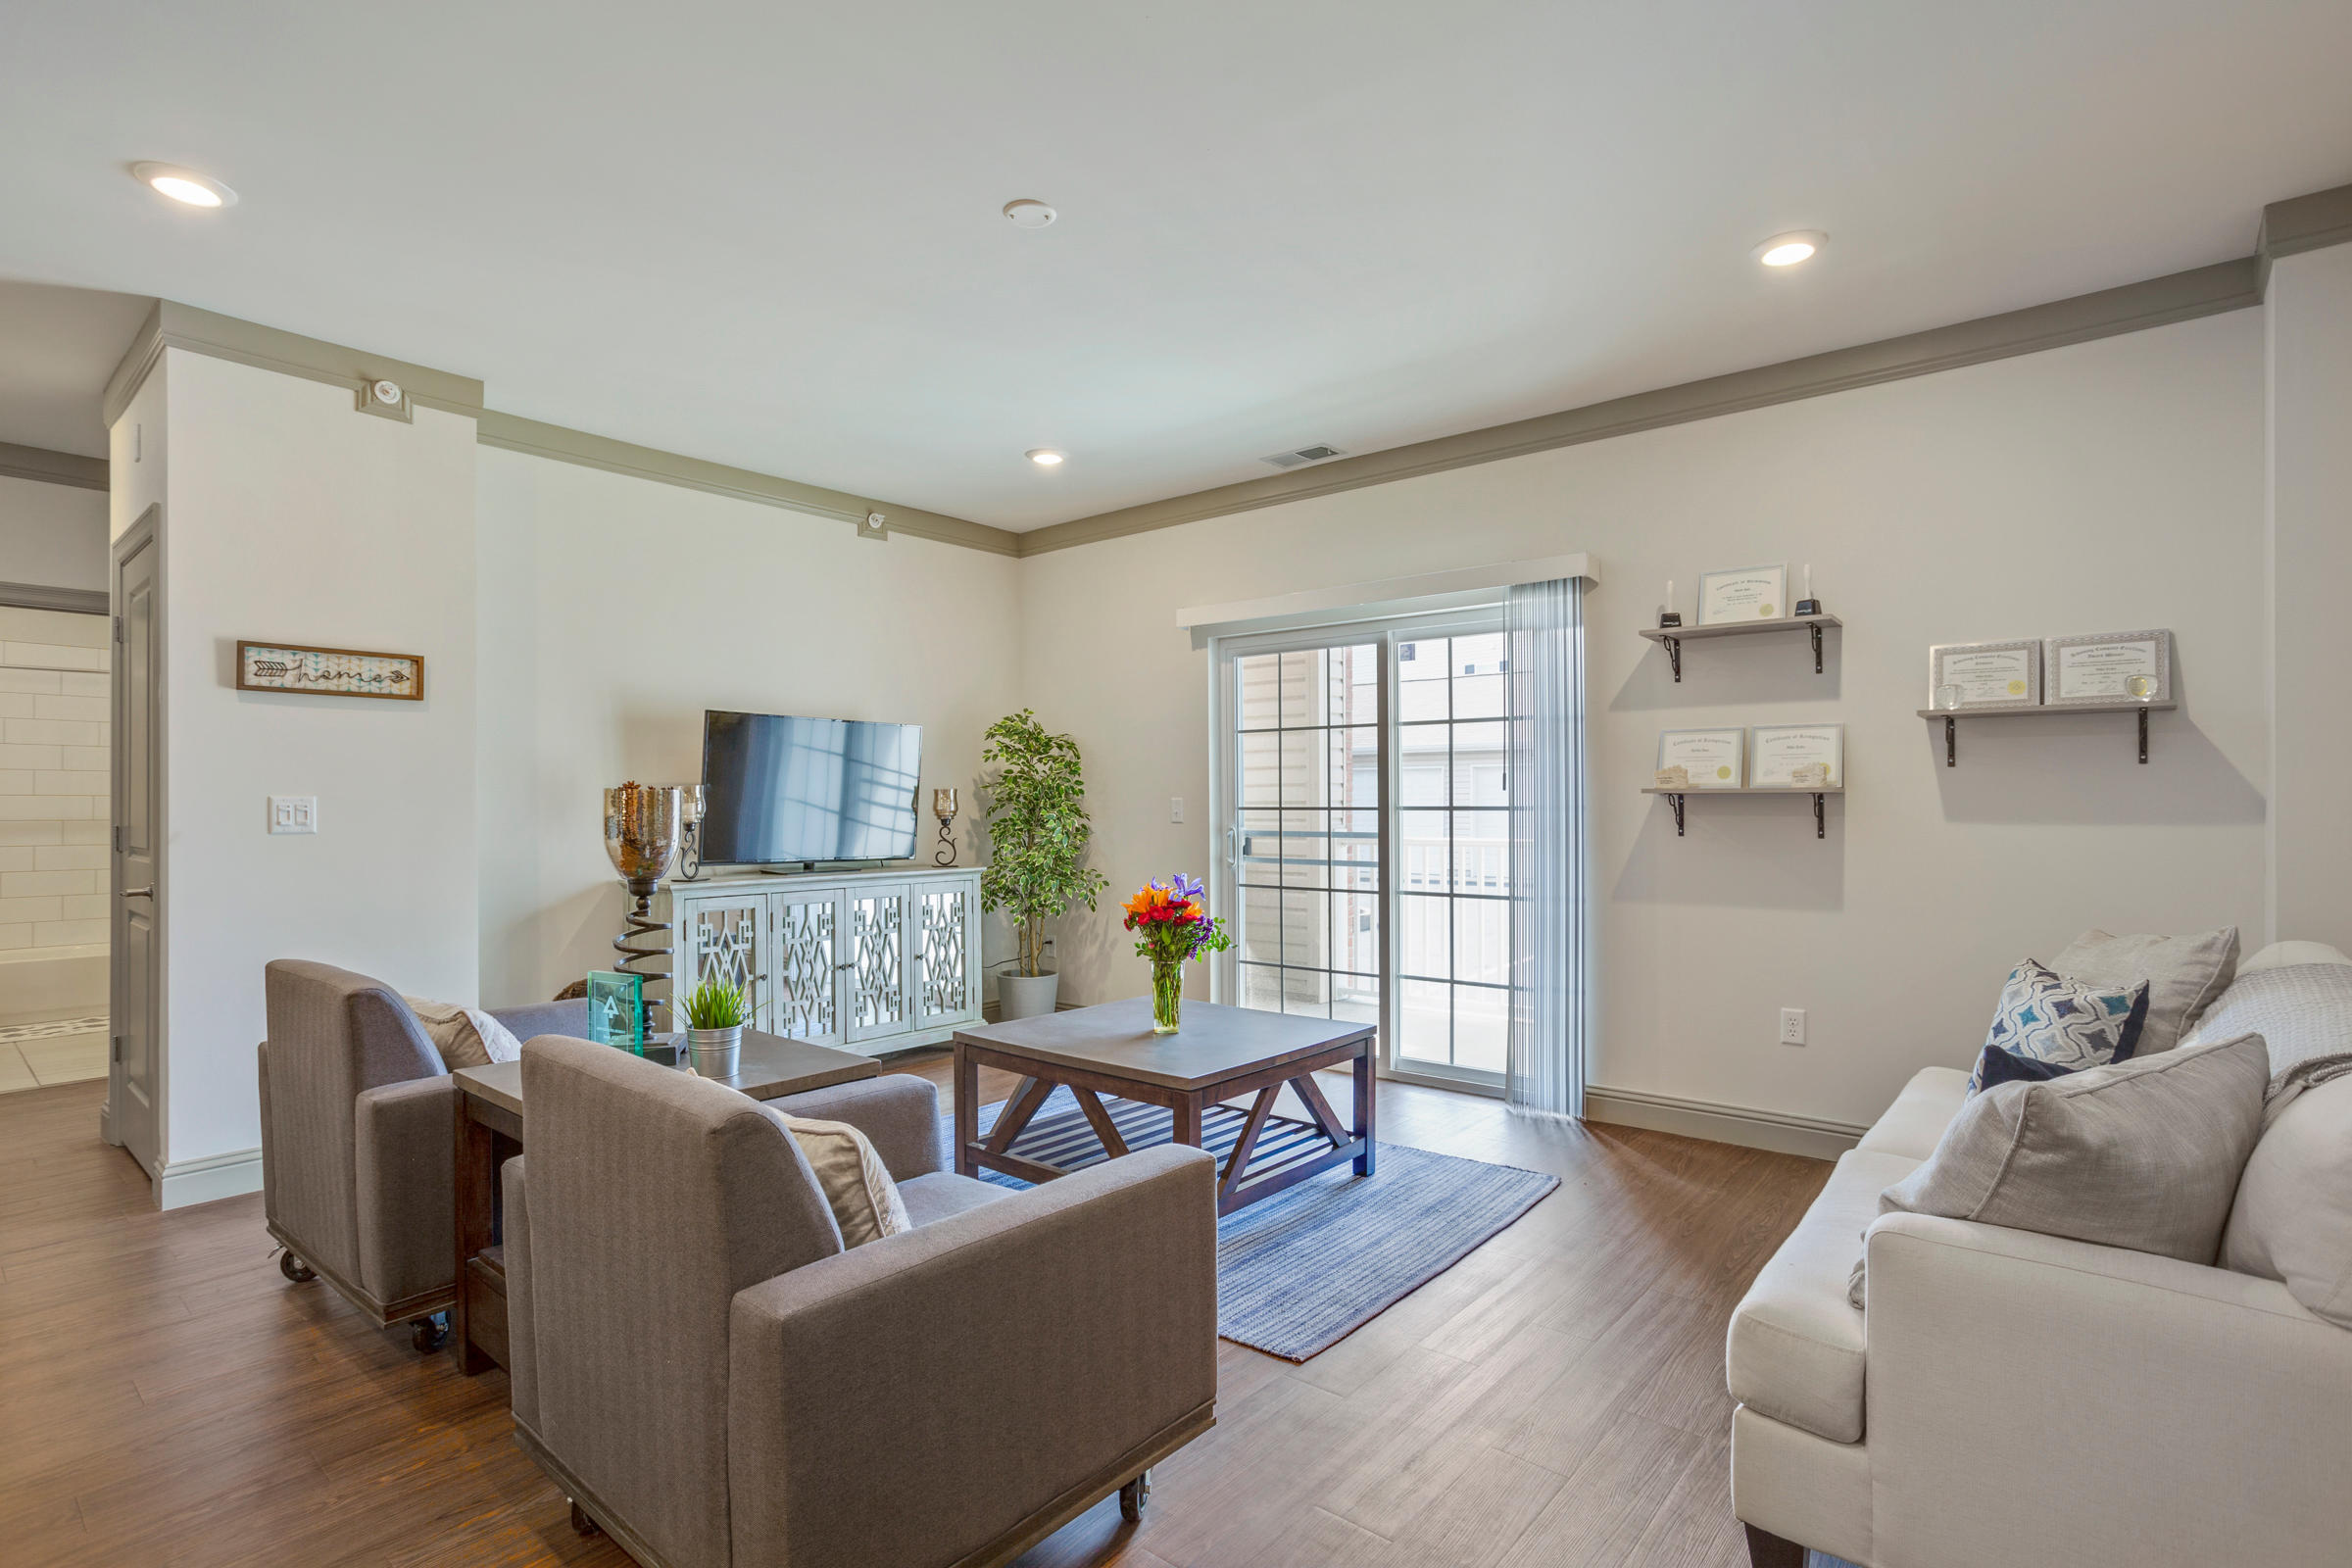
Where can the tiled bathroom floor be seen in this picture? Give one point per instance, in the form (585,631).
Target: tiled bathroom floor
(44,1052)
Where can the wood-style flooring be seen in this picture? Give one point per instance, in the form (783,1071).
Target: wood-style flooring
(1555,1398)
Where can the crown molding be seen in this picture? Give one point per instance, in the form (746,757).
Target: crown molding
(2303,223)
(513,434)
(174,326)
(2133,308)
(41,596)
(52,467)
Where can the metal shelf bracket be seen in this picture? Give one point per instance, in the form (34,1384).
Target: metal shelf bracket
(1674,657)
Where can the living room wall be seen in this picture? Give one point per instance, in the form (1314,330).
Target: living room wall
(288,516)
(2108,486)
(616,609)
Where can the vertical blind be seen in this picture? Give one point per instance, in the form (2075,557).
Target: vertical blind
(1551,935)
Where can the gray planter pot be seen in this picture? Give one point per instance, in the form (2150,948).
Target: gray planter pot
(1025,996)
(716,1052)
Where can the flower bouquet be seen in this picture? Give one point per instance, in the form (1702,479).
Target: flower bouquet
(1171,924)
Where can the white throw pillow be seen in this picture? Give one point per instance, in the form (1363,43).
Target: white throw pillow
(465,1036)
(2184,974)
(2286,955)
(865,1201)
(2292,1221)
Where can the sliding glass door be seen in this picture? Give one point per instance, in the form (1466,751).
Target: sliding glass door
(1305,836)
(1455,838)
(1361,796)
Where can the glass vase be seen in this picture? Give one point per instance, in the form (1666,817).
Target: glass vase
(1167,995)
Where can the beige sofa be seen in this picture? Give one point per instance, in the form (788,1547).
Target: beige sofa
(2020,1398)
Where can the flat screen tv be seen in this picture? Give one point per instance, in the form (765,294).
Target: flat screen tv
(779,790)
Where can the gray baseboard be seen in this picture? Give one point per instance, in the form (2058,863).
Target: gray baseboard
(1778,1131)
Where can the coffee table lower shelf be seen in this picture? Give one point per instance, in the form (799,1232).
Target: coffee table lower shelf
(1286,1152)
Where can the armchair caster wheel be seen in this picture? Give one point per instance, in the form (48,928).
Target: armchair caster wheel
(580,1520)
(430,1334)
(294,1268)
(1133,1497)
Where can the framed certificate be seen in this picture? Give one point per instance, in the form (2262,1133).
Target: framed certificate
(1966,675)
(2105,667)
(1796,757)
(1751,593)
(1715,757)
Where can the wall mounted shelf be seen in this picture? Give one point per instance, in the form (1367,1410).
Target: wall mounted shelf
(1952,715)
(1673,636)
(1821,828)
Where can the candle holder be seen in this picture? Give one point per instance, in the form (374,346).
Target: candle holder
(943,807)
(689,831)
(641,836)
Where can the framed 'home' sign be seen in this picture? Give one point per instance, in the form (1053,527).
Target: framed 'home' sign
(329,671)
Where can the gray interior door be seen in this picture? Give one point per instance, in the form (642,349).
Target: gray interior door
(135,1115)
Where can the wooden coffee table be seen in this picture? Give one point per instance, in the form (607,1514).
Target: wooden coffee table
(490,1132)
(1173,1089)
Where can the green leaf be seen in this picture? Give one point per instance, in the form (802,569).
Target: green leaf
(1037,830)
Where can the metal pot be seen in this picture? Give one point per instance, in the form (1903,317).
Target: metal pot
(1025,996)
(716,1052)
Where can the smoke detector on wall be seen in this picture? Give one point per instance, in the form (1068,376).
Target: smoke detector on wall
(1303,456)
(387,399)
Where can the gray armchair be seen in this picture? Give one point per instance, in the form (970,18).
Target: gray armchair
(357,1140)
(712,1380)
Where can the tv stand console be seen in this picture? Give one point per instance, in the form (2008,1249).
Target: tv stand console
(876,960)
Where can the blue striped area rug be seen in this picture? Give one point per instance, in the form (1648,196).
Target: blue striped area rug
(1302,1270)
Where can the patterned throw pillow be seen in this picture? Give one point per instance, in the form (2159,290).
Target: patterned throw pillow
(1997,1066)
(2071,1023)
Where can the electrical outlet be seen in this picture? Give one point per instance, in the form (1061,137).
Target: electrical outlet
(293,813)
(1175,808)
(1792,1026)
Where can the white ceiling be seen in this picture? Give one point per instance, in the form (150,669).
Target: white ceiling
(768,234)
(57,348)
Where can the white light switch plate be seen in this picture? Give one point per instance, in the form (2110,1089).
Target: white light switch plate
(1175,808)
(293,813)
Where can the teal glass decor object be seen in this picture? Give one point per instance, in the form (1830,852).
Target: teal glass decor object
(616,1009)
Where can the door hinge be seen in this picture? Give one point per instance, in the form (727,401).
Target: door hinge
(118,838)
(117,628)
(117,1056)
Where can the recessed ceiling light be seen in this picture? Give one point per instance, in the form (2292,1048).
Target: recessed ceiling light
(1044,456)
(1027,214)
(184,185)
(1786,250)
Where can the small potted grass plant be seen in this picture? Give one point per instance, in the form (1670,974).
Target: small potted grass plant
(714,1016)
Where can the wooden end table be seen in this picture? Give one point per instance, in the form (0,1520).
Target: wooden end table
(1221,1054)
(490,1132)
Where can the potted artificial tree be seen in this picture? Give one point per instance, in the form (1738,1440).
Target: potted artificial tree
(1037,831)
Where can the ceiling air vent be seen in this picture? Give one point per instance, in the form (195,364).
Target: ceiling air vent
(1304,454)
